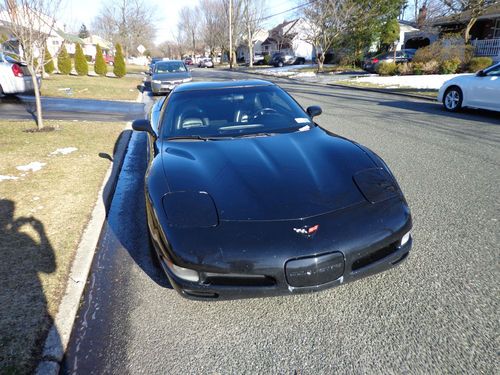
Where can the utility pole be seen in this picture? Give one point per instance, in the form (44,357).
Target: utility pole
(230,34)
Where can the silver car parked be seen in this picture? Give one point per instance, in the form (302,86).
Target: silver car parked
(168,74)
(14,77)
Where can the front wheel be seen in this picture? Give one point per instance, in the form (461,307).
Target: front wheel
(452,99)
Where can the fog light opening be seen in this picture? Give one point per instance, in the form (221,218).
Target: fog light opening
(183,273)
(405,239)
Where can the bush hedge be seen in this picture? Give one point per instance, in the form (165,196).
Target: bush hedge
(48,67)
(267,59)
(119,68)
(63,62)
(100,66)
(479,63)
(81,65)
(387,69)
(449,66)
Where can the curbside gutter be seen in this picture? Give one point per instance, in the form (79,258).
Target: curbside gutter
(59,334)
(382,91)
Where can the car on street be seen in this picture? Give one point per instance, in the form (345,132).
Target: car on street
(166,75)
(480,90)
(205,62)
(405,55)
(280,59)
(246,196)
(188,61)
(15,77)
(154,60)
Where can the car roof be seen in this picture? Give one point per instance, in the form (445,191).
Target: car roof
(193,86)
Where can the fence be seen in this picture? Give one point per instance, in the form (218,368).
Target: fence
(487,47)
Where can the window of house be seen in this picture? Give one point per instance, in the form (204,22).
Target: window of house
(55,42)
(496,29)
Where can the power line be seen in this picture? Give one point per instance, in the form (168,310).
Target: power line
(289,10)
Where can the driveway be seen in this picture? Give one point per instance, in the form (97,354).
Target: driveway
(436,313)
(23,107)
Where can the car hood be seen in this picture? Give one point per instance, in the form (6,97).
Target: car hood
(281,177)
(171,76)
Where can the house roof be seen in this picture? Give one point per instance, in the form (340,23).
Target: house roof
(69,37)
(279,32)
(492,11)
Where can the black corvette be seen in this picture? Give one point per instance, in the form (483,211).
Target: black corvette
(246,196)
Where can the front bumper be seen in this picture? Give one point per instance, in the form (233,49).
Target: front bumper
(367,241)
(164,88)
(201,291)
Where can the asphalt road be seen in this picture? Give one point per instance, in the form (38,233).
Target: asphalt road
(436,313)
(23,107)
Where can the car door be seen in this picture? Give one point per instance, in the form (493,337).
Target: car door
(491,90)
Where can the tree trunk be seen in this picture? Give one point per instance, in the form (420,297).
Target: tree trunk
(250,54)
(38,101)
(321,61)
(468,28)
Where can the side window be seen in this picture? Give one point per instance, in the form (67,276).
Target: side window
(495,72)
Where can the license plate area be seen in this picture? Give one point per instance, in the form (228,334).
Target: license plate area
(313,271)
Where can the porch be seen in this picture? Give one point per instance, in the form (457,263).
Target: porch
(487,47)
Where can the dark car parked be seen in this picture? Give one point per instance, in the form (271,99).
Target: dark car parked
(246,196)
(402,56)
(280,59)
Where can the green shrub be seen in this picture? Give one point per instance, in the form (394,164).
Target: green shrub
(405,69)
(449,66)
(49,63)
(444,50)
(100,66)
(417,68)
(63,61)
(387,69)
(119,64)
(479,63)
(267,59)
(81,65)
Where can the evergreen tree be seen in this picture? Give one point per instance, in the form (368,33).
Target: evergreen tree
(63,61)
(389,34)
(49,63)
(119,65)
(100,66)
(81,66)
(84,33)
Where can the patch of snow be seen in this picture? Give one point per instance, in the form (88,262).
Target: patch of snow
(5,178)
(64,151)
(305,74)
(430,81)
(33,166)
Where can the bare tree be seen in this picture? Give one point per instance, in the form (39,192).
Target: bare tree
(235,21)
(326,23)
(188,26)
(475,7)
(213,25)
(128,22)
(253,14)
(32,22)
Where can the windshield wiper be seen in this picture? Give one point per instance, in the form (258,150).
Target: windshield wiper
(181,137)
(263,134)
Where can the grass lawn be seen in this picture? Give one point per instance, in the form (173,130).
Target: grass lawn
(103,88)
(42,216)
(406,90)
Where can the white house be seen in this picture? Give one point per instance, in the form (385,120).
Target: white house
(289,37)
(242,52)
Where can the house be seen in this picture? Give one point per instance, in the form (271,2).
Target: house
(484,34)
(288,37)
(405,27)
(242,52)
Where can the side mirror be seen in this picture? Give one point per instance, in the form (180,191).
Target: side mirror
(481,73)
(143,125)
(314,111)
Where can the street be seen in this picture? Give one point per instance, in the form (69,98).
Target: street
(23,107)
(436,313)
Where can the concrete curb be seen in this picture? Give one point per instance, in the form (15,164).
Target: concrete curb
(383,91)
(60,332)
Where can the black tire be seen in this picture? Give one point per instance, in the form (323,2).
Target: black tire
(2,94)
(453,98)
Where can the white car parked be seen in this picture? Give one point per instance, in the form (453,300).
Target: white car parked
(14,77)
(480,90)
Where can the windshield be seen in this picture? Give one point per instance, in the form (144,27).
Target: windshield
(233,112)
(170,67)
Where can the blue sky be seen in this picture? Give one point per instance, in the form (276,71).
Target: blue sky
(76,12)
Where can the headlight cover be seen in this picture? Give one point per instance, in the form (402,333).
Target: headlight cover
(190,209)
(158,82)
(376,184)
(187,80)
